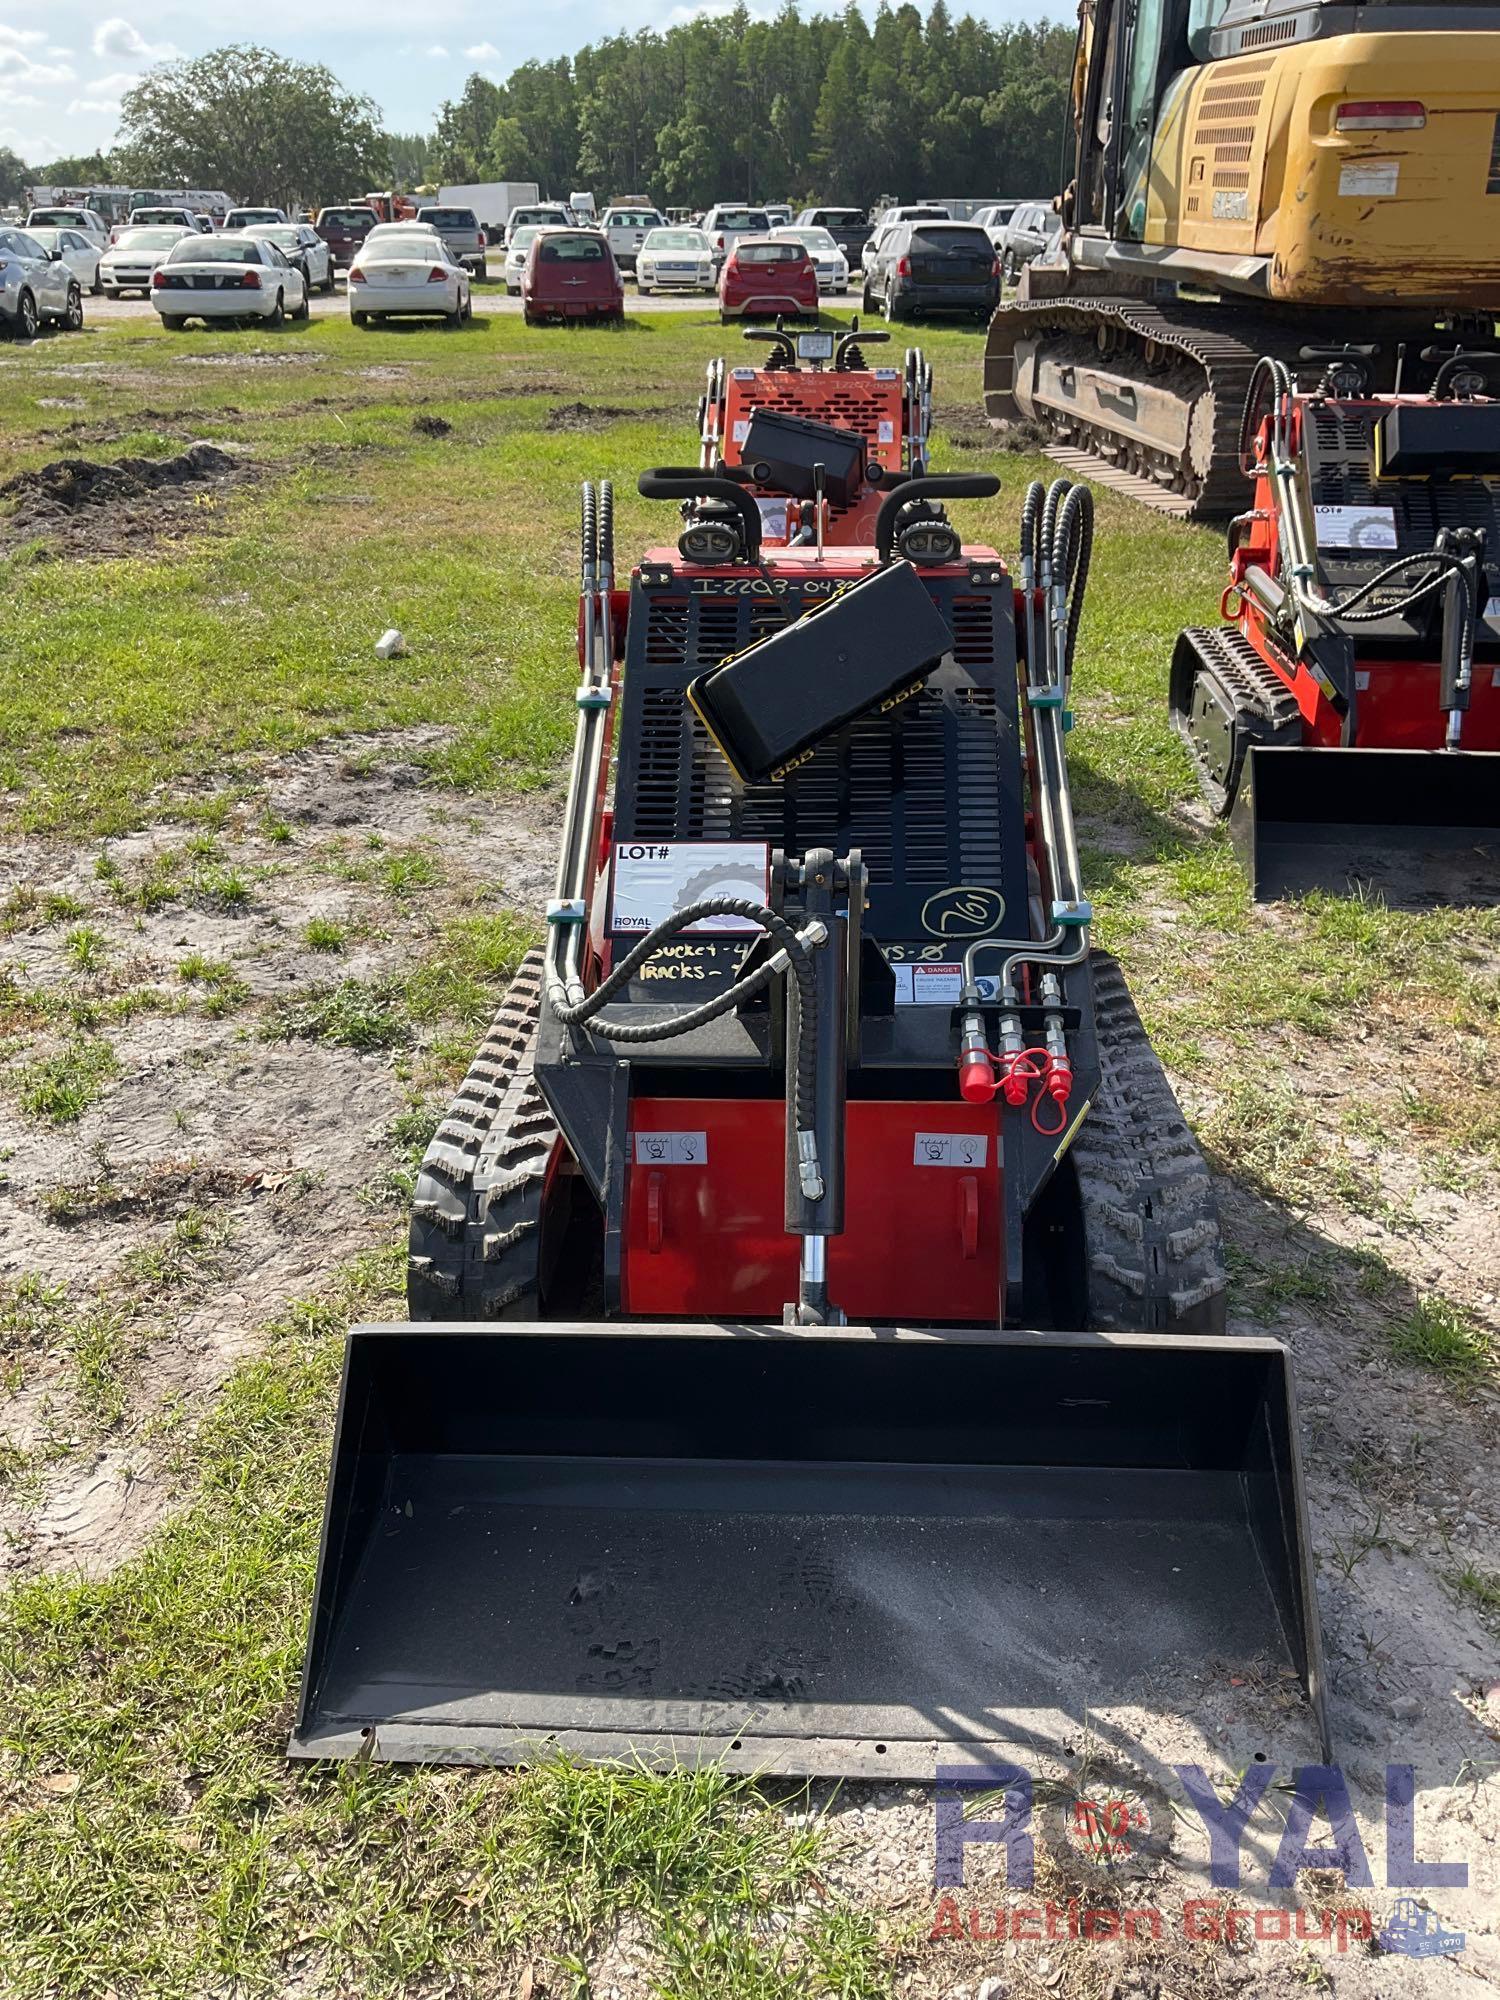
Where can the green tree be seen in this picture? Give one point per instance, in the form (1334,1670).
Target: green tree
(256,123)
(409,154)
(14,175)
(75,169)
(460,148)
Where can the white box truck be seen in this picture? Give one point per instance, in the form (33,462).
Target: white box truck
(492,202)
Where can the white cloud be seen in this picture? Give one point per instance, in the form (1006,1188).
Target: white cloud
(15,67)
(94,107)
(21,38)
(18,100)
(118,37)
(482,52)
(438,50)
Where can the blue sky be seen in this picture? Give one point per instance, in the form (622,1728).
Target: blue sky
(65,65)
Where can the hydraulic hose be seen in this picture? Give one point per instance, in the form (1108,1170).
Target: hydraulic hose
(1072,552)
(794,955)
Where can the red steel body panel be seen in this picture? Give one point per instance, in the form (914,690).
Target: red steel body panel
(705,1239)
(856,401)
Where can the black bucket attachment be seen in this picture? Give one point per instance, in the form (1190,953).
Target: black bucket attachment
(1413,828)
(809,1551)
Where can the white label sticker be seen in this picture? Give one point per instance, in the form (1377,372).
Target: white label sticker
(887,433)
(950,1149)
(1356,527)
(772,519)
(1370,177)
(886,374)
(654,878)
(1492,609)
(937,983)
(1231,205)
(741,429)
(671,1149)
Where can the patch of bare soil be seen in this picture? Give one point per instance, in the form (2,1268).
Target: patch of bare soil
(597,416)
(93,507)
(219,1175)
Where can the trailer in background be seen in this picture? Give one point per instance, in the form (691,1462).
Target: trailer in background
(492,202)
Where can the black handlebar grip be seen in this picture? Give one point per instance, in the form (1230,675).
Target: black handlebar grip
(682,482)
(929,486)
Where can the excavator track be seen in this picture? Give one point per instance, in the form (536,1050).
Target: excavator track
(1222,698)
(1202,355)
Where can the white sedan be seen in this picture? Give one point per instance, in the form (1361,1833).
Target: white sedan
(35,286)
(228,277)
(407,272)
(303,246)
(515,255)
(129,264)
(830,262)
(82,254)
(675,260)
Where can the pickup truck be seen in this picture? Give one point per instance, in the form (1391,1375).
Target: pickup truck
(462,235)
(849,228)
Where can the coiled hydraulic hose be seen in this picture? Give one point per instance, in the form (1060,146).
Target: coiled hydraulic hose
(794,955)
(1072,551)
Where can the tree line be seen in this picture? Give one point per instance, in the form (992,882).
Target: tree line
(832,107)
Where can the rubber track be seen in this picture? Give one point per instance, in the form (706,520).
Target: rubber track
(1226,359)
(476,1212)
(1151,1224)
(1254,689)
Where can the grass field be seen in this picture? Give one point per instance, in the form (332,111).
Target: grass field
(195,947)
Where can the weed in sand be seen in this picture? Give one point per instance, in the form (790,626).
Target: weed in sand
(404,873)
(355,1014)
(188,1252)
(277,830)
(61,1087)
(86,947)
(221,889)
(1444,1336)
(323,934)
(225,989)
(1479,1588)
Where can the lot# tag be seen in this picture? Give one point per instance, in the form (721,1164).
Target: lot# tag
(654,878)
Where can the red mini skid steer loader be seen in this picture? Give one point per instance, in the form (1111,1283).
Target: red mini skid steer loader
(1347,723)
(817,1355)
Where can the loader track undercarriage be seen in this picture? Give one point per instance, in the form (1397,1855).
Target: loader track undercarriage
(1148,399)
(1152,1245)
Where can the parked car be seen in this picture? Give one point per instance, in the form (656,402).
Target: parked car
(539,215)
(993,219)
(246,218)
(870,253)
(777,213)
(849,228)
(301,245)
(517,249)
(344,231)
(764,275)
(128,263)
(674,260)
(934,267)
(921,211)
(460,230)
(830,262)
(89,220)
(231,277)
(79,252)
(626,229)
(406,271)
(725,222)
(36,286)
(167,218)
(571,274)
(1032,231)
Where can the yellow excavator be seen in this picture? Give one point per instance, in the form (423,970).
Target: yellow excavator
(1253,177)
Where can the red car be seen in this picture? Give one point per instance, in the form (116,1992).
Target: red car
(344,231)
(768,274)
(571,274)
